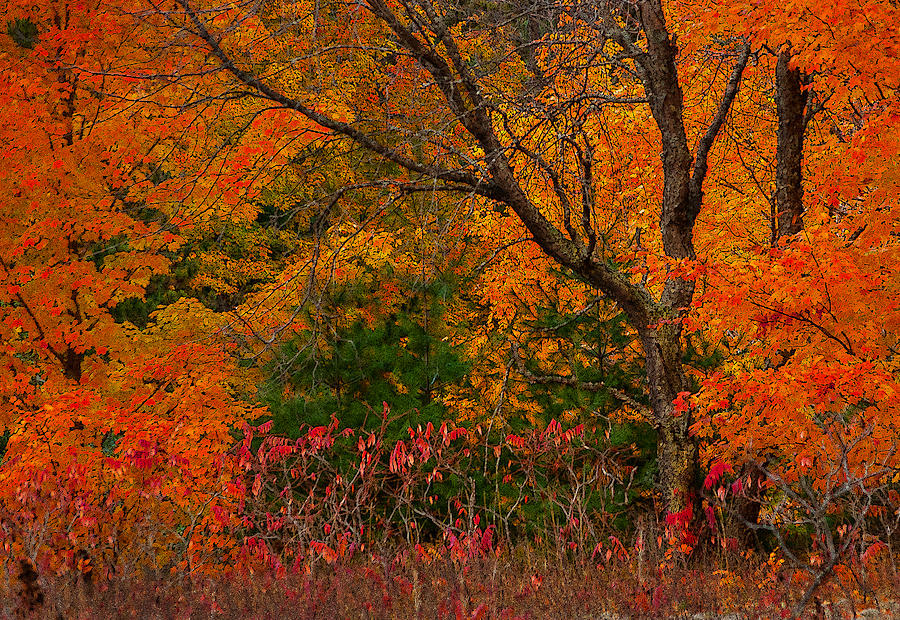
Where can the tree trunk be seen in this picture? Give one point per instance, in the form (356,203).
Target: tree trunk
(790,99)
(677,450)
(744,510)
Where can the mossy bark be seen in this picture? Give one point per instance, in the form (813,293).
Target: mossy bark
(677,450)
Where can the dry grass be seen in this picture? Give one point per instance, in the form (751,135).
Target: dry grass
(518,584)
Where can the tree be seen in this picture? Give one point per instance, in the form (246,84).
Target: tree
(513,105)
(593,123)
(809,380)
(671,159)
(111,430)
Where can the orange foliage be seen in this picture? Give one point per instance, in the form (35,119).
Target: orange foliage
(121,143)
(117,438)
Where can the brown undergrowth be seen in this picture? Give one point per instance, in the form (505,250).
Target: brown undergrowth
(512,584)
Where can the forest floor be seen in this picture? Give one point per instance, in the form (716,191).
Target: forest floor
(503,588)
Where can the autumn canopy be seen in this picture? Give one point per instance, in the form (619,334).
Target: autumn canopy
(259,256)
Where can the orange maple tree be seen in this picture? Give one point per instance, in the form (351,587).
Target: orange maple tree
(809,388)
(516,130)
(113,432)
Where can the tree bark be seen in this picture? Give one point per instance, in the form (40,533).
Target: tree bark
(677,450)
(790,99)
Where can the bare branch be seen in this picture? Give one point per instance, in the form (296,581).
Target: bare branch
(701,158)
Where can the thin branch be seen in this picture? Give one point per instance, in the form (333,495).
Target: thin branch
(701,158)
(267,92)
(587,386)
